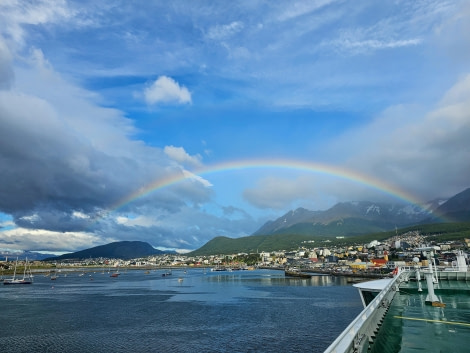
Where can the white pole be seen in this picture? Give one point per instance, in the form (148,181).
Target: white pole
(418,278)
(431,297)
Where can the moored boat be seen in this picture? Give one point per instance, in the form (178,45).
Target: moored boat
(218,268)
(27,277)
(296,272)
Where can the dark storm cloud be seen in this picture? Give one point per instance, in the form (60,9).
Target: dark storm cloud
(61,155)
(45,163)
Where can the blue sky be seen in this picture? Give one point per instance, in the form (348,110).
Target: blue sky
(99,100)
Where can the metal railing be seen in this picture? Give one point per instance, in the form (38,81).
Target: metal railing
(355,338)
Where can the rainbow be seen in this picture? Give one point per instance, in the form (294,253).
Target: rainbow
(296,165)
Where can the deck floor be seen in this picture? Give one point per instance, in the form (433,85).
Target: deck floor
(411,325)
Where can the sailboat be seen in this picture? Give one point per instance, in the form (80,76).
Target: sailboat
(27,279)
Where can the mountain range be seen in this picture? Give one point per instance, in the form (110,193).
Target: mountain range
(361,217)
(22,255)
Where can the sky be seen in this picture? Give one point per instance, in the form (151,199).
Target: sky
(173,122)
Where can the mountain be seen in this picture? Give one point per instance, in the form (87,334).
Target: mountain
(362,221)
(21,255)
(118,250)
(362,217)
(457,208)
(347,219)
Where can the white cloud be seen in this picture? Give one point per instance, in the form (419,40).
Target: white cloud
(17,13)
(384,34)
(179,155)
(139,221)
(222,32)
(40,239)
(301,8)
(166,90)
(457,94)
(374,44)
(80,215)
(198,178)
(281,193)
(31,219)
(7,224)
(414,148)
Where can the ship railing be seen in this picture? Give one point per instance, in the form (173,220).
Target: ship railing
(357,336)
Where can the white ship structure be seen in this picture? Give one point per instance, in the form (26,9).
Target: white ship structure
(422,309)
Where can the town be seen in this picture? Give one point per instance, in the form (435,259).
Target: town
(374,259)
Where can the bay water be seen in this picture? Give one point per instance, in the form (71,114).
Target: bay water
(191,310)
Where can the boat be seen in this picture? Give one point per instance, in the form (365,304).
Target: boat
(167,273)
(416,309)
(296,272)
(27,277)
(115,274)
(219,268)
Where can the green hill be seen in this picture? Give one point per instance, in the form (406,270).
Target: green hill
(251,244)
(256,243)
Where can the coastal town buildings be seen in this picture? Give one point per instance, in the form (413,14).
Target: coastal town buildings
(376,256)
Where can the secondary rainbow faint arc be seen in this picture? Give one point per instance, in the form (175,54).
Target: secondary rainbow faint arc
(300,165)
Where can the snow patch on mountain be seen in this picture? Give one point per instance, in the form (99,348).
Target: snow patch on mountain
(411,210)
(373,208)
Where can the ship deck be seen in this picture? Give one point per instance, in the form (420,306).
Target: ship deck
(411,325)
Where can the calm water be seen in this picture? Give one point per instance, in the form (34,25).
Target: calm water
(240,311)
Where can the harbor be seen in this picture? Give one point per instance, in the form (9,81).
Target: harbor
(240,311)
